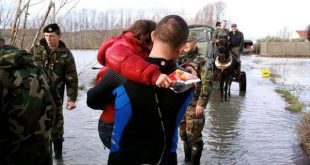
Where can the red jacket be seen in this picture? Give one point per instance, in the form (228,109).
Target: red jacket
(125,55)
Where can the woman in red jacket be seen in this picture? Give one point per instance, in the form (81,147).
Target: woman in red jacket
(125,54)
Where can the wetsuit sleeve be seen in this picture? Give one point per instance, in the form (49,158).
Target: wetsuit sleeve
(99,95)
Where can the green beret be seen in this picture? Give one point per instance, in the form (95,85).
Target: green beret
(51,28)
(192,36)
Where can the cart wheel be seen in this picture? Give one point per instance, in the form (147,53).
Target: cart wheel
(242,81)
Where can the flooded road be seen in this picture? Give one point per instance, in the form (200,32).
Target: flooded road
(251,128)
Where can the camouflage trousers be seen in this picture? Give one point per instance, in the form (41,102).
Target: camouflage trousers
(191,126)
(58,129)
(28,152)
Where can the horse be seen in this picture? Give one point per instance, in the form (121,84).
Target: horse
(226,63)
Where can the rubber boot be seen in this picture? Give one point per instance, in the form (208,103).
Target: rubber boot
(196,154)
(58,149)
(187,151)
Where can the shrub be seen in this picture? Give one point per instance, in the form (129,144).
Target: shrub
(303,132)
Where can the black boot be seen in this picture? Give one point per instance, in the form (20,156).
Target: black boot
(196,154)
(187,151)
(58,149)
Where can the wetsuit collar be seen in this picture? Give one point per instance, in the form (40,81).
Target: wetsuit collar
(165,66)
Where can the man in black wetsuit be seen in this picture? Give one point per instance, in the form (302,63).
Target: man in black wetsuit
(147,117)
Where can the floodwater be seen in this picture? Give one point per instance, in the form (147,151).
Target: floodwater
(251,128)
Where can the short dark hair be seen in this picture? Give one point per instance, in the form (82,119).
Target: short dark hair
(172,30)
(142,30)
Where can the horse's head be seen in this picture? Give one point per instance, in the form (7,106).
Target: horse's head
(222,50)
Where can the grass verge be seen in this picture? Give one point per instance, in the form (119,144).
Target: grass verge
(294,104)
(303,132)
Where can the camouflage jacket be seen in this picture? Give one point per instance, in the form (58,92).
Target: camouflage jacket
(60,67)
(220,34)
(27,110)
(203,67)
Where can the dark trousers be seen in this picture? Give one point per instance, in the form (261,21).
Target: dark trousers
(105,132)
(129,158)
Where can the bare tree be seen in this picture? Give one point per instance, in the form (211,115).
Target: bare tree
(210,15)
(284,33)
(128,18)
(93,19)
(6,14)
(87,28)
(25,24)
(42,23)
(64,3)
(205,15)
(219,10)
(36,3)
(14,26)
(54,13)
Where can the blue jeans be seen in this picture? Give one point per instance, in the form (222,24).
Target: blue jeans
(105,132)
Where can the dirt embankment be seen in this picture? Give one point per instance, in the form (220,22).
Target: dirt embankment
(90,39)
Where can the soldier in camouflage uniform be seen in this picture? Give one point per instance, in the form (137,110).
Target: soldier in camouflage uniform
(219,33)
(27,110)
(52,55)
(192,124)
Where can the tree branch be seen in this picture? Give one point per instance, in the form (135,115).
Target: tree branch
(42,23)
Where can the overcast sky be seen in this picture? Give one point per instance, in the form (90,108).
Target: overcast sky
(255,18)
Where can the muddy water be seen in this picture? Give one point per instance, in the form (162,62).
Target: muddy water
(250,128)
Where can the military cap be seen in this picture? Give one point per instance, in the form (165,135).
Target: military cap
(233,25)
(51,28)
(192,36)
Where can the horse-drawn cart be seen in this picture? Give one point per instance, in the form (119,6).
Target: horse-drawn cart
(206,47)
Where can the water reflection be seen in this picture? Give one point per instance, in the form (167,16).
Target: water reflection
(294,75)
(222,134)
